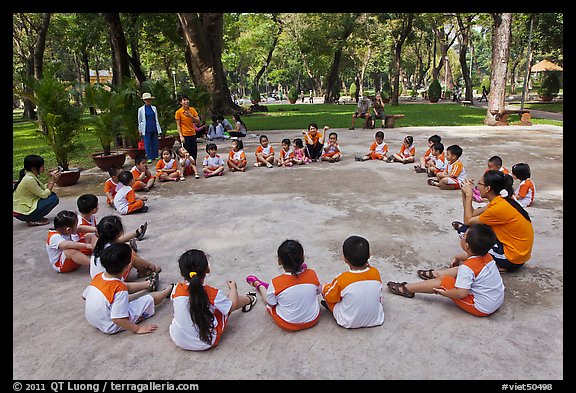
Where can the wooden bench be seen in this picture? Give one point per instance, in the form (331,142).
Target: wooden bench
(390,119)
(466,103)
(501,116)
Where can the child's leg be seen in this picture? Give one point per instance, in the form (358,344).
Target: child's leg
(447,183)
(260,159)
(151,182)
(138,185)
(426,286)
(137,205)
(161,295)
(77,256)
(217,170)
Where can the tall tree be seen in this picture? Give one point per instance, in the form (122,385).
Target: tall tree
(464,30)
(120,62)
(203,34)
(402,28)
(500,50)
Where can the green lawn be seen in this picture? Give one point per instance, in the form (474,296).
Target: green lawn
(27,140)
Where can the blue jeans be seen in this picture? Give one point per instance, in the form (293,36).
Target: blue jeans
(151,145)
(44,207)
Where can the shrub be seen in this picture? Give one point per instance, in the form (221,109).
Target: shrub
(293,94)
(255,94)
(434,91)
(550,86)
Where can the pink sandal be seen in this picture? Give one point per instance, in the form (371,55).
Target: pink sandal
(256,282)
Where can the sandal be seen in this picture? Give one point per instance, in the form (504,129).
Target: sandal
(43,221)
(420,170)
(253,300)
(141,231)
(433,182)
(426,274)
(172,289)
(133,244)
(399,288)
(153,285)
(256,282)
(456,225)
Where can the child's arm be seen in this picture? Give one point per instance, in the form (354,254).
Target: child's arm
(86,229)
(72,245)
(233,295)
(454,293)
(134,328)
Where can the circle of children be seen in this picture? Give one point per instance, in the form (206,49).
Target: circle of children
(473,281)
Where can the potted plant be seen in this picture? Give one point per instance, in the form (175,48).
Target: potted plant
(106,123)
(60,123)
(550,87)
(293,95)
(434,91)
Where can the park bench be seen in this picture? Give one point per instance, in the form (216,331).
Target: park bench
(390,119)
(466,103)
(501,116)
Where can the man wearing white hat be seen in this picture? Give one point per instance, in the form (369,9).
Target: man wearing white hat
(149,127)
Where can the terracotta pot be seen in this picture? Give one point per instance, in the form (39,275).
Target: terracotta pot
(68,178)
(133,152)
(105,162)
(166,142)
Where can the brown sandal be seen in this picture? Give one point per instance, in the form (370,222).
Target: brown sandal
(399,288)
(426,274)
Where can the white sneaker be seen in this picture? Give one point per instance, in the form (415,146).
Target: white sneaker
(257,164)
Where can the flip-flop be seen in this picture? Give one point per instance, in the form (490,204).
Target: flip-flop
(170,293)
(142,229)
(253,300)
(256,282)
(456,224)
(432,182)
(153,285)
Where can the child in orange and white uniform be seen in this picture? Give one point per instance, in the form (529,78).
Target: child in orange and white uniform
(108,307)
(353,296)
(143,179)
(526,190)
(407,152)
(300,156)
(378,149)
(438,161)
(66,254)
(167,167)
(452,177)
(264,153)
(286,154)
(126,201)
(213,164)
(421,167)
(236,158)
(111,185)
(331,150)
(187,163)
(292,297)
(494,164)
(200,310)
(473,281)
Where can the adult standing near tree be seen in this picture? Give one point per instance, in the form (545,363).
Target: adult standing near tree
(186,116)
(149,126)
(31,199)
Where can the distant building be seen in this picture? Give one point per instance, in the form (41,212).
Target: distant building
(104,76)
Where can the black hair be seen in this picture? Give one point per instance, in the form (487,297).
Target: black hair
(116,257)
(86,203)
(262,137)
(496,160)
(113,170)
(521,171)
(211,146)
(298,143)
(220,117)
(438,146)
(65,218)
(313,125)
(435,138)
(184,96)
(356,250)
(237,118)
(169,150)
(139,159)
(291,255)
(286,141)
(379,134)
(214,118)
(193,266)
(32,161)
(498,181)
(455,149)
(125,177)
(481,238)
(409,139)
(109,229)
(333,133)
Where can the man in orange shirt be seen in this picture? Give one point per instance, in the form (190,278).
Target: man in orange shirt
(186,116)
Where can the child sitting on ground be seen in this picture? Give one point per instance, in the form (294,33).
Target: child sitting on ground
(378,149)
(438,161)
(200,310)
(126,201)
(494,164)
(473,281)
(407,152)
(292,297)
(213,164)
(421,167)
(525,192)
(64,253)
(143,179)
(111,185)
(264,153)
(286,154)
(452,177)
(331,151)
(353,296)
(187,163)
(167,167)
(300,156)
(108,307)
(236,158)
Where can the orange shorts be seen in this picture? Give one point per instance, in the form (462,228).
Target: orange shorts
(293,327)
(466,303)
(67,265)
(376,156)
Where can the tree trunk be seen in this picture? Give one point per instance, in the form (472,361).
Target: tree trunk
(332,89)
(464,41)
(203,34)
(120,63)
(406,29)
(41,45)
(500,51)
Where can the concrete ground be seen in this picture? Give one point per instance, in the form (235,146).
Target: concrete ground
(240,219)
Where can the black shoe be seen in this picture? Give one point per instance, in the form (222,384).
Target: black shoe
(144,209)
(325,305)
(358,158)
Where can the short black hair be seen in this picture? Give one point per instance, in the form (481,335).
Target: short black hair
(438,146)
(481,238)
(455,149)
(86,203)
(125,177)
(496,160)
(211,146)
(521,170)
(286,141)
(379,134)
(356,250)
(116,257)
(435,138)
